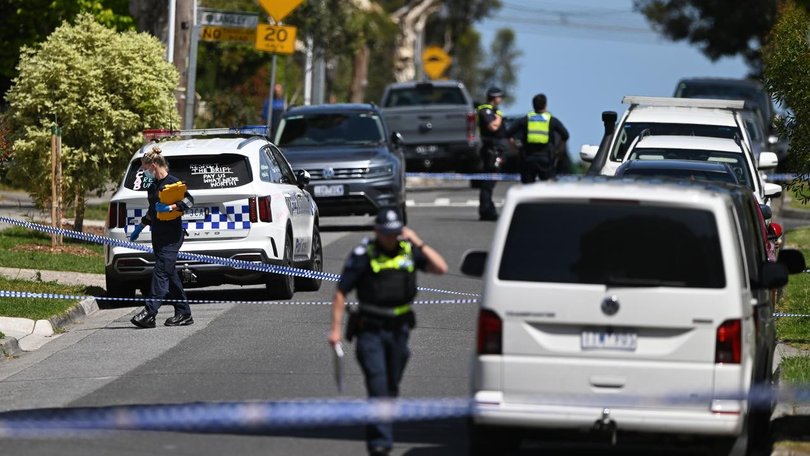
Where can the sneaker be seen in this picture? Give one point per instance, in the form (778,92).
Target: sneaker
(179,320)
(143,319)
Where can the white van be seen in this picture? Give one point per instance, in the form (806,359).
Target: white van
(612,306)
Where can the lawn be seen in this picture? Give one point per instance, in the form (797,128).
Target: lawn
(37,308)
(796,300)
(27,249)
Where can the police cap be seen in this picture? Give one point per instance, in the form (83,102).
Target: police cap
(493,92)
(388,221)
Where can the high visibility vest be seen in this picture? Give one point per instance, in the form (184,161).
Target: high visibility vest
(484,131)
(392,284)
(538,127)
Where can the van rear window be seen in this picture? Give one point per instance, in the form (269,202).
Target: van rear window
(203,172)
(613,243)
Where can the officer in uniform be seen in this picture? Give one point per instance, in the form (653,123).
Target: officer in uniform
(383,271)
(167,238)
(491,127)
(538,131)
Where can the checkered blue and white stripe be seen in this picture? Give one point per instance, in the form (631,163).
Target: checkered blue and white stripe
(235,217)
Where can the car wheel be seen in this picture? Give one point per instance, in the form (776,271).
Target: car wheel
(314,264)
(282,286)
(491,440)
(117,288)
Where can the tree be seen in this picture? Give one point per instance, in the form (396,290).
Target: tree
(103,88)
(718,27)
(786,59)
(500,68)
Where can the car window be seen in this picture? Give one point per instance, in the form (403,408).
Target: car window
(423,95)
(675,173)
(204,172)
(352,128)
(270,171)
(736,161)
(753,130)
(284,166)
(617,243)
(631,130)
(727,92)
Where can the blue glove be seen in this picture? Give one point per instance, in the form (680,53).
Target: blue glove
(160,207)
(136,232)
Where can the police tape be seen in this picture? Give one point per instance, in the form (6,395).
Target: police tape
(469,176)
(230,262)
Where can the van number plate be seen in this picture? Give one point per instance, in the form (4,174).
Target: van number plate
(328,190)
(196,213)
(609,340)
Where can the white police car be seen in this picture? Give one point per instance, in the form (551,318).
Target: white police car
(248,206)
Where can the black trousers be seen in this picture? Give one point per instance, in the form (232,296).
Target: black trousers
(166,283)
(486,208)
(534,167)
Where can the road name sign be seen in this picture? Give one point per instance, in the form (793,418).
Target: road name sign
(227,19)
(279,9)
(279,39)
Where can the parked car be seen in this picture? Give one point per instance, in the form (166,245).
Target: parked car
(648,314)
(356,165)
(249,205)
(679,169)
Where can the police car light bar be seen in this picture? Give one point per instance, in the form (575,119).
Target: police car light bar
(247,130)
(683,102)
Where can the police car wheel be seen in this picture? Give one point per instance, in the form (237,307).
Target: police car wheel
(119,288)
(314,264)
(282,286)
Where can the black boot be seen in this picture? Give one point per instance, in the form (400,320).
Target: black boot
(144,319)
(179,320)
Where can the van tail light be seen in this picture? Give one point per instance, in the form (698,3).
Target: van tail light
(490,333)
(265,214)
(728,349)
(471,126)
(117,215)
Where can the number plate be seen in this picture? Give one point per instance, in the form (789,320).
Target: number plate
(609,340)
(196,213)
(328,190)
(427,149)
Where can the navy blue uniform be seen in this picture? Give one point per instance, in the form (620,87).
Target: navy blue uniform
(538,160)
(491,149)
(167,238)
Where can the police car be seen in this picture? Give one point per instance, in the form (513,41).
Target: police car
(249,205)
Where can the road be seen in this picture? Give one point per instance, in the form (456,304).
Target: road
(248,350)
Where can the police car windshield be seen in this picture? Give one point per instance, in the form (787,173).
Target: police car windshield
(203,172)
(330,129)
(736,160)
(631,130)
(613,243)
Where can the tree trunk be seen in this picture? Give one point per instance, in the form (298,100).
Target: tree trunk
(81,202)
(182,43)
(411,20)
(360,79)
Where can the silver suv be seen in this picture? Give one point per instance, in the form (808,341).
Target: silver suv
(356,167)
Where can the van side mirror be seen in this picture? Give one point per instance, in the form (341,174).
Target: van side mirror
(474,263)
(302,178)
(772,190)
(767,160)
(588,152)
(793,260)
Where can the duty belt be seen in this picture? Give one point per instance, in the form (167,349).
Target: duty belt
(385,311)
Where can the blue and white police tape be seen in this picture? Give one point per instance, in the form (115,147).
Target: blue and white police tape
(236,264)
(469,176)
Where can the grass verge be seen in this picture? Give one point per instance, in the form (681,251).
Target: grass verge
(37,308)
(27,249)
(796,300)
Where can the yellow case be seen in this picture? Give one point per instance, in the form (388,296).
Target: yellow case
(171,194)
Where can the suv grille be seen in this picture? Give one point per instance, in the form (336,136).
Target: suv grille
(338,173)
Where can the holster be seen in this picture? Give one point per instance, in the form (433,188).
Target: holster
(352,324)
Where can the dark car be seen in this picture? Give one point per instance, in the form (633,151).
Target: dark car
(687,169)
(356,166)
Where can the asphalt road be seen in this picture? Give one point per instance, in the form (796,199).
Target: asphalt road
(249,351)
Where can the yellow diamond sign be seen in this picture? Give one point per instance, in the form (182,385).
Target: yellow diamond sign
(279,9)
(435,61)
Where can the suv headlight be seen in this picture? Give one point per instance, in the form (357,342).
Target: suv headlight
(378,171)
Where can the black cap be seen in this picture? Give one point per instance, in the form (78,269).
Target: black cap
(493,92)
(388,221)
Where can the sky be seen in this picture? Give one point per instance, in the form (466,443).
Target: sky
(585,55)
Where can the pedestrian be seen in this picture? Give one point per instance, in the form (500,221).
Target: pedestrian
(383,271)
(279,106)
(490,124)
(538,132)
(167,237)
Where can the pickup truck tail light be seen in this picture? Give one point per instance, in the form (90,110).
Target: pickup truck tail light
(471,118)
(490,333)
(117,215)
(728,348)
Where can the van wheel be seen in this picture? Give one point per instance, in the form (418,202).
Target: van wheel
(758,422)
(492,440)
(314,264)
(282,286)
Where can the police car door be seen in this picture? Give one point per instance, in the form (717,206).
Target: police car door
(302,208)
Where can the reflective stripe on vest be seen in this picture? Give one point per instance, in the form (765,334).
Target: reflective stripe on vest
(403,261)
(538,128)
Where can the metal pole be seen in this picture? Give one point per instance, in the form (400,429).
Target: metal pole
(308,73)
(271,96)
(53,183)
(170,40)
(192,76)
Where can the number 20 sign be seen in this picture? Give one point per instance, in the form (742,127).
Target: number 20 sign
(279,39)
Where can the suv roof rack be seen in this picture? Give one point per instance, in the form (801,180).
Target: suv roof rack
(247,130)
(683,102)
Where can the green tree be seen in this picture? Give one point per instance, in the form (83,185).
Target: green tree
(499,69)
(103,88)
(786,60)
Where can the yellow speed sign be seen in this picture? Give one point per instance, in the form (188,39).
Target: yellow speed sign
(279,39)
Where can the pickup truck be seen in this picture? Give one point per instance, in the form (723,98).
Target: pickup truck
(438,124)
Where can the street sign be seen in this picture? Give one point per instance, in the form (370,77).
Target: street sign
(279,39)
(211,33)
(226,19)
(279,9)
(435,61)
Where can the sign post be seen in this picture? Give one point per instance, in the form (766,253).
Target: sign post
(56,183)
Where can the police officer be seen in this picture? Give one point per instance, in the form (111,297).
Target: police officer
(538,132)
(491,127)
(383,271)
(167,238)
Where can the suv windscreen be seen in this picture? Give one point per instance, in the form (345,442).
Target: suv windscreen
(736,160)
(316,129)
(677,173)
(613,243)
(424,95)
(204,172)
(630,131)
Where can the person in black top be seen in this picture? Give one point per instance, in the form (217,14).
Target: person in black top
(539,132)
(491,127)
(383,271)
(167,238)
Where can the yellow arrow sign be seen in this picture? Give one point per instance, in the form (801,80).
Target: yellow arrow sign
(279,9)
(279,39)
(435,61)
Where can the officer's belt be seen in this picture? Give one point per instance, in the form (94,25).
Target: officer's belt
(385,311)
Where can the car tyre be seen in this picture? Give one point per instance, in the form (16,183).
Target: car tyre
(282,286)
(314,264)
(492,441)
(117,288)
